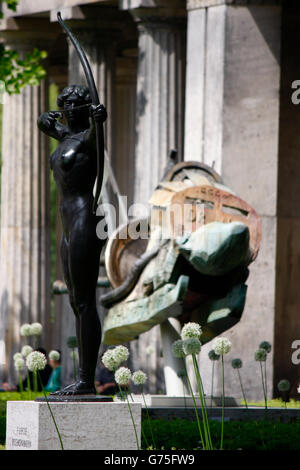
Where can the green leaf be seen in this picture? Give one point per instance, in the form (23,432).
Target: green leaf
(17,73)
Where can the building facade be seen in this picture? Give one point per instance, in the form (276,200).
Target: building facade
(211,78)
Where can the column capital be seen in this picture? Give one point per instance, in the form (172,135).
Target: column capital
(159,18)
(101,18)
(197,4)
(103,24)
(164,14)
(133,4)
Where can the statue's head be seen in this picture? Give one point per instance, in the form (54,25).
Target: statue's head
(71,98)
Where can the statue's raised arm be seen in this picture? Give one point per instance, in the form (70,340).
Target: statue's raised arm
(48,123)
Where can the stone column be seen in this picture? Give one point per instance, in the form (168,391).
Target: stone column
(160,94)
(25,234)
(232,121)
(124,125)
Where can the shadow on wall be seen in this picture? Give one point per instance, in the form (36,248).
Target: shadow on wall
(269,34)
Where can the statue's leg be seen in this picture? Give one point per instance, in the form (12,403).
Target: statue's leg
(84,256)
(64,252)
(81,258)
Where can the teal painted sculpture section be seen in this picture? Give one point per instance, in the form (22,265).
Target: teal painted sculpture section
(216,248)
(218,315)
(125,322)
(162,289)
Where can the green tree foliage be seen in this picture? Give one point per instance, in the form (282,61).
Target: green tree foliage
(12,5)
(16,72)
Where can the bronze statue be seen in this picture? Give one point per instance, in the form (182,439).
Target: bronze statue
(76,163)
(74,167)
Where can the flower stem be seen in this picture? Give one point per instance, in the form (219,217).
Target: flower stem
(149,419)
(265,371)
(143,433)
(223,402)
(50,410)
(205,410)
(244,396)
(212,386)
(262,379)
(184,397)
(20,382)
(35,384)
(28,384)
(136,436)
(195,406)
(203,404)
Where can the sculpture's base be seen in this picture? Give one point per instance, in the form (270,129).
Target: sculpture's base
(187,401)
(82,426)
(75,398)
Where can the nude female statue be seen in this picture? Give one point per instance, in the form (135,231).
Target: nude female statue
(74,168)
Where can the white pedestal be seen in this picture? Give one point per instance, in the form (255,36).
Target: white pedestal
(82,426)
